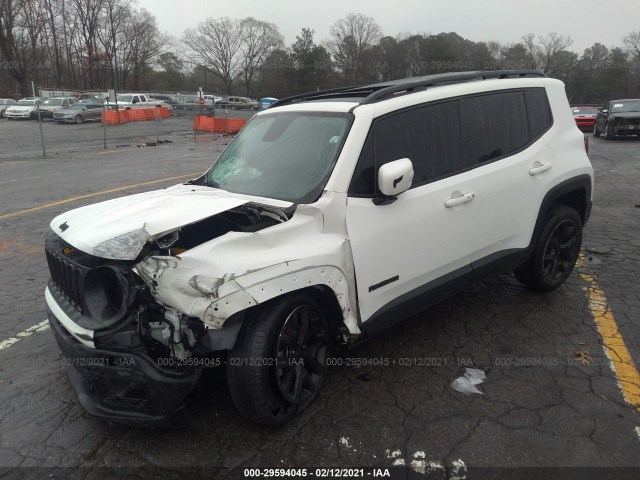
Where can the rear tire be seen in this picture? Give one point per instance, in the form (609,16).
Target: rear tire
(78,119)
(556,251)
(278,364)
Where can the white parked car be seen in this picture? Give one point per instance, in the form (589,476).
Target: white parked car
(328,218)
(52,105)
(212,99)
(26,108)
(4,104)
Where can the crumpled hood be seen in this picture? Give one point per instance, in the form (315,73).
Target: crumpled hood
(118,229)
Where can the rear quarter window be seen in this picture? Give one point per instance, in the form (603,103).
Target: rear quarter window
(538,112)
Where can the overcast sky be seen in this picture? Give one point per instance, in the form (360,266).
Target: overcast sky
(586,21)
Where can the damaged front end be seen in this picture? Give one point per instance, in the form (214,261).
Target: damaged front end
(130,356)
(124,353)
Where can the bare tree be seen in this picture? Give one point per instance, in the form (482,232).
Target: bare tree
(21,29)
(351,37)
(533,51)
(258,40)
(553,48)
(216,44)
(89,16)
(496,52)
(632,42)
(140,44)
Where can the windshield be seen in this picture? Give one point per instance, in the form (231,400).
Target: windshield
(585,111)
(285,156)
(26,102)
(53,102)
(125,98)
(627,106)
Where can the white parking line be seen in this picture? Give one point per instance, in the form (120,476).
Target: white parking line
(40,327)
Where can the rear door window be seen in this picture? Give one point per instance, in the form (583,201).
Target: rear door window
(493,126)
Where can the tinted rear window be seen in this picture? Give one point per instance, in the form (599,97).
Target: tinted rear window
(492,126)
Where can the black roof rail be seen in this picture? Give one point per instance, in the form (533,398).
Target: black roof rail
(379,91)
(410,84)
(321,94)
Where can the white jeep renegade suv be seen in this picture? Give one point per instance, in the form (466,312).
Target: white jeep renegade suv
(329,217)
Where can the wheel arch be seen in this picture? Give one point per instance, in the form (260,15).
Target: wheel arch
(575,193)
(225,338)
(327,284)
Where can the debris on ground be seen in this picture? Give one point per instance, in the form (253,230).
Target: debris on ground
(583,357)
(467,383)
(599,250)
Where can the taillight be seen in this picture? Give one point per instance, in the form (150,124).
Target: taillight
(586,145)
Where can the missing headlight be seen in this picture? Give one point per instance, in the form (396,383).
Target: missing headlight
(106,293)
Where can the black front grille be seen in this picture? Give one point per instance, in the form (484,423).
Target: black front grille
(69,267)
(69,278)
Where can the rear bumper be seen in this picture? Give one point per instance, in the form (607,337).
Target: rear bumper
(125,386)
(585,125)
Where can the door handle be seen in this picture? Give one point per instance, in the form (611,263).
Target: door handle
(463,198)
(539,168)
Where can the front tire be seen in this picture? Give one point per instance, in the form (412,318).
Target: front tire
(278,364)
(555,253)
(608,132)
(78,119)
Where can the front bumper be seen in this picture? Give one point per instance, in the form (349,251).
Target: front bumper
(27,115)
(118,385)
(626,129)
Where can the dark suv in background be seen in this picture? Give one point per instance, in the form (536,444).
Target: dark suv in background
(618,117)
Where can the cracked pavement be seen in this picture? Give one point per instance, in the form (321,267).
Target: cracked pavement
(550,398)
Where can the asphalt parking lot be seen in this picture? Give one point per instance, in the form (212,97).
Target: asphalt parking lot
(559,392)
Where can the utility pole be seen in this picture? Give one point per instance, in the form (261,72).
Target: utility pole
(115,58)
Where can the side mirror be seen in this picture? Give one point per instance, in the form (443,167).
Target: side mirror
(393,179)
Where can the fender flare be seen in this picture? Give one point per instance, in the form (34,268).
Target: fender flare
(247,294)
(580,182)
